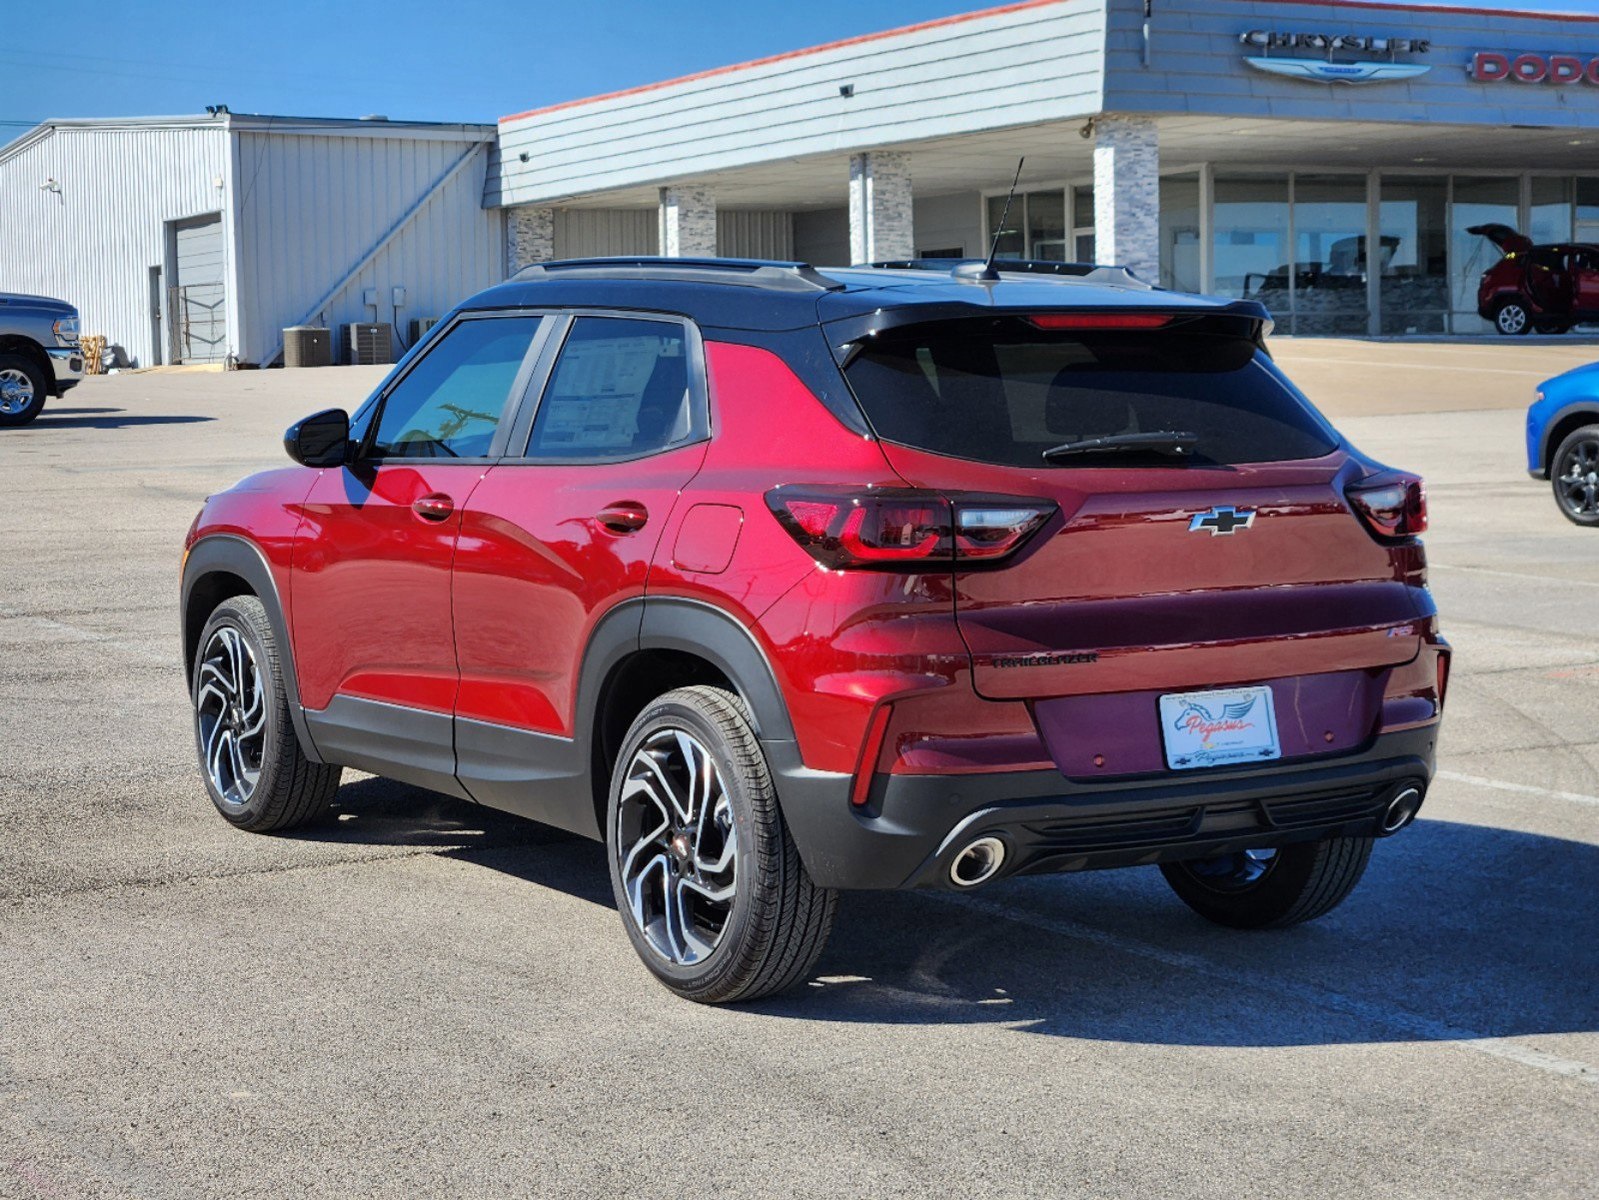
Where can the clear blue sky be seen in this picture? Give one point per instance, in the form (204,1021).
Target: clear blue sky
(455,60)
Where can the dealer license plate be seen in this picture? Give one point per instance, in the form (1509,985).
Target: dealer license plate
(1212,729)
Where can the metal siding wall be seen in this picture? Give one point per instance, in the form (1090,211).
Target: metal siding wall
(603,232)
(93,245)
(749,233)
(821,237)
(1021,67)
(310,207)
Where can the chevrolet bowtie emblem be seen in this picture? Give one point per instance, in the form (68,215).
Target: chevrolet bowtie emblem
(1222,521)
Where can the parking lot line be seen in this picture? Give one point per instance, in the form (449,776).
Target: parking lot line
(1397,1019)
(1504,785)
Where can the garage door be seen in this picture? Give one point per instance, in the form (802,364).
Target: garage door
(198,301)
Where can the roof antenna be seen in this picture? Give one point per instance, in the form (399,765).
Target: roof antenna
(988,271)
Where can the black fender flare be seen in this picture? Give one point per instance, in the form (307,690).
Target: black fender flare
(1546,446)
(226,553)
(712,633)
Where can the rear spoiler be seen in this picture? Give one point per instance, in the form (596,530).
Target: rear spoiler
(1248,319)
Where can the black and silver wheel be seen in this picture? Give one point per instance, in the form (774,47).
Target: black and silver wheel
(1512,318)
(1574,471)
(1269,889)
(22,390)
(711,889)
(254,768)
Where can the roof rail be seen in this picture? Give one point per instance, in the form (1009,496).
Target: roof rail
(969,268)
(745,272)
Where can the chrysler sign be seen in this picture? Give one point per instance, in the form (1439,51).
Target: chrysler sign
(1491,66)
(1326,68)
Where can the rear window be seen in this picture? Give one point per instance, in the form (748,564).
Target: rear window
(1002,391)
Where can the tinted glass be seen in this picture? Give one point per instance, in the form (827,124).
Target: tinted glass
(1004,392)
(620,389)
(450,403)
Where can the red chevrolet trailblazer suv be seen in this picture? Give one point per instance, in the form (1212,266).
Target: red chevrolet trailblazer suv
(783,580)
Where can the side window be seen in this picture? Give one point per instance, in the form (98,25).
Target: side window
(449,405)
(620,389)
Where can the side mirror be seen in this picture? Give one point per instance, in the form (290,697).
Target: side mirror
(320,440)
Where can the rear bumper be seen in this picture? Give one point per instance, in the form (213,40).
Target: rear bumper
(917,824)
(67,364)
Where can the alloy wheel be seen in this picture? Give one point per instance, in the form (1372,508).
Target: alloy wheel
(1512,318)
(677,847)
(1578,479)
(230,713)
(16,391)
(1232,872)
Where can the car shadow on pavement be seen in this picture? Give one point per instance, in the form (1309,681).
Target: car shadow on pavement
(115,418)
(371,811)
(1457,931)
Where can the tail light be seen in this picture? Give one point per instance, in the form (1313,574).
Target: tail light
(1103,320)
(1394,505)
(904,528)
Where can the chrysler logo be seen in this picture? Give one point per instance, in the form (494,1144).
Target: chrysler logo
(1324,68)
(1222,521)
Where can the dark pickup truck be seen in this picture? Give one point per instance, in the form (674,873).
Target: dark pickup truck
(39,354)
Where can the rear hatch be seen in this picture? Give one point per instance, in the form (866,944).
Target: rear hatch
(1202,534)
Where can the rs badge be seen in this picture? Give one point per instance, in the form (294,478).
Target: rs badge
(1222,521)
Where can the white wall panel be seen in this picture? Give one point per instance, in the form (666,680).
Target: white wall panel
(742,233)
(311,207)
(1031,63)
(605,232)
(94,243)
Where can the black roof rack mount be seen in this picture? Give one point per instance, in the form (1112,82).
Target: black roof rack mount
(747,272)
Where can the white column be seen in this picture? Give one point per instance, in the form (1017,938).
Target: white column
(1127,194)
(529,237)
(688,221)
(881,223)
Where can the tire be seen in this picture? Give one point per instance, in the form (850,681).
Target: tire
(711,890)
(1551,327)
(23,389)
(1574,474)
(1253,891)
(1512,319)
(254,768)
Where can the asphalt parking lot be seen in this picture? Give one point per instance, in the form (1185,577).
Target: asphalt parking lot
(421,998)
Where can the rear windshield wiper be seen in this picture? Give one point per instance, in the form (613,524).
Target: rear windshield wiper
(1175,442)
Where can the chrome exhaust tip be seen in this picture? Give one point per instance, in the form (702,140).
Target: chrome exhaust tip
(1401,811)
(979,862)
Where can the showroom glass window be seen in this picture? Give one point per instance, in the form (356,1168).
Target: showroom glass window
(1249,240)
(1413,232)
(1179,233)
(1478,200)
(1330,258)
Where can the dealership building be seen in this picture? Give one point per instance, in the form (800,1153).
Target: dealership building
(1327,159)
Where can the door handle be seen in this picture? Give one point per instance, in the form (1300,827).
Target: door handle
(436,507)
(625,516)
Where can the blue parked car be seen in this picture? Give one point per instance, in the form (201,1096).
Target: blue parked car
(1563,441)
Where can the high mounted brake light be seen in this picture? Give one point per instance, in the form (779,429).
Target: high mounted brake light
(1393,505)
(904,528)
(1128,320)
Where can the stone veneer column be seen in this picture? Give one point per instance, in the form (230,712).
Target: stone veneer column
(1127,194)
(529,237)
(881,225)
(688,221)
